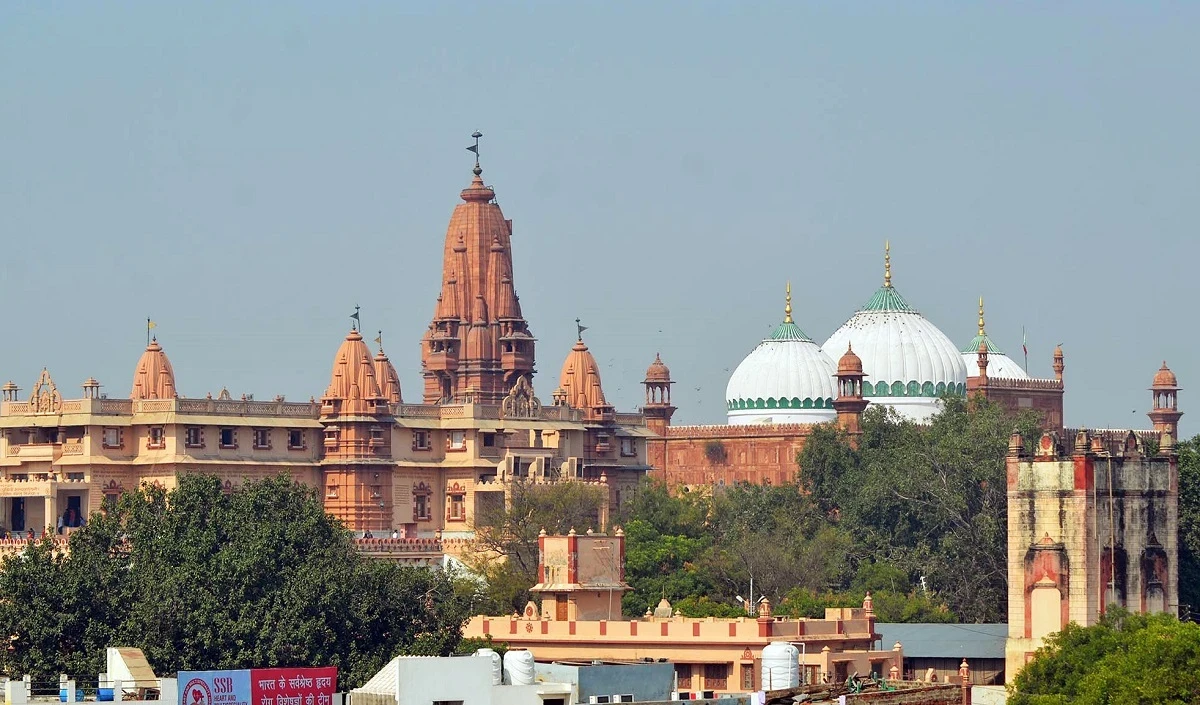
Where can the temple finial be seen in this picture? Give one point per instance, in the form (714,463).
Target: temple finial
(981,317)
(787,306)
(887,263)
(475,148)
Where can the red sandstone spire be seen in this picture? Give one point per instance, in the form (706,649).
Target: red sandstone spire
(580,382)
(353,388)
(153,378)
(385,375)
(478,340)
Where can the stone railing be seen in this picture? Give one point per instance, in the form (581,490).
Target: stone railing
(629,419)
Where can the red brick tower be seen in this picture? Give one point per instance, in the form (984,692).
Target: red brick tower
(1165,414)
(850,403)
(478,343)
(658,409)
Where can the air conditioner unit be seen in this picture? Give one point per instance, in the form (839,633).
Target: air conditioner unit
(623,698)
(598,699)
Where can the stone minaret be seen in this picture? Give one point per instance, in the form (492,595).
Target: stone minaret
(658,409)
(850,403)
(1165,413)
(478,343)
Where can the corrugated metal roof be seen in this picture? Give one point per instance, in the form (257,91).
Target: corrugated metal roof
(946,640)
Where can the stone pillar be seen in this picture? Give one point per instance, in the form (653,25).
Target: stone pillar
(964,672)
(51,515)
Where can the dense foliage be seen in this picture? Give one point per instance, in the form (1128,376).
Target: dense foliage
(201,579)
(1123,659)
(508,530)
(914,514)
(1189,527)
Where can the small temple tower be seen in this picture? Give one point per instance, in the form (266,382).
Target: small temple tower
(850,403)
(357,416)
(1165,413)
(1088,529)
(579,384)
(658,409)
(478,343)
(153,378)
(581,577)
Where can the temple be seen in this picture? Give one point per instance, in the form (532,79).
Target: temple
(408,478)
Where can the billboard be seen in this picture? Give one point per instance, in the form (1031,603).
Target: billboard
(214,688)
(259,686)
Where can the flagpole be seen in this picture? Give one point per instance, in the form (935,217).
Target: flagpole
(147,332)
(1025,349)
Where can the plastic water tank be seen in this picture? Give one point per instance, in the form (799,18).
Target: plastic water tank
(780,666)
(497,672)
(518,667)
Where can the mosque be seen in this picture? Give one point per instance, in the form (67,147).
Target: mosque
(887,354)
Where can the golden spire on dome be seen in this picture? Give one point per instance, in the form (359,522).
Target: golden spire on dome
(981,333)
(887,263)
(787,306)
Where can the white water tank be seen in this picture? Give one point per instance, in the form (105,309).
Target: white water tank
(780,666)
(497,672)
(518,667)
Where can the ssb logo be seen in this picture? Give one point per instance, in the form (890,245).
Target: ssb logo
(196,692)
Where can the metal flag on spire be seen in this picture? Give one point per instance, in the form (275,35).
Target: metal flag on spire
(579,329)
(475,148)
(149,325)
(354,317)
(379,341)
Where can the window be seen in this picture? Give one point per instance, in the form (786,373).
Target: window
(458,507)
(628,447)
(457,440)
(331,437)
(194,437)
(489,440)
(421,507)
(75,477)
(156,438)
(262,438)
(110,501)
(331,492)
(421,440)
(296,439)
(376,436)
(715,676)
(229,438)
(112,437)
(683,676)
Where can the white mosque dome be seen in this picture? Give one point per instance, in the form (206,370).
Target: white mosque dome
(909,363)
(999,364)
(785,379)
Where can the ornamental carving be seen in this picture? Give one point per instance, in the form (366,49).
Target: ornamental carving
(45,398)
(520,402)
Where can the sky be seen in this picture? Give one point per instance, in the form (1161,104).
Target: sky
(246,173)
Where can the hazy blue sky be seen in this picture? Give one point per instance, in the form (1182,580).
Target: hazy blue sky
(245,173)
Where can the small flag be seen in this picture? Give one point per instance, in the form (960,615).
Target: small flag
(1023,348)
(474,148)
(379,340)
(150,324)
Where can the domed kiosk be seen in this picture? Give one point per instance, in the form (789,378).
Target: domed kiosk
(787,378)
(909,362)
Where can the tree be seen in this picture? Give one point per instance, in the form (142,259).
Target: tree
(929,500)
(1189,524)
(506,535)
(201,579)
(1123,659)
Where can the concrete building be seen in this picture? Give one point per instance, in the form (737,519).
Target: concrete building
(1089,527)
(939,650)
(581,576)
